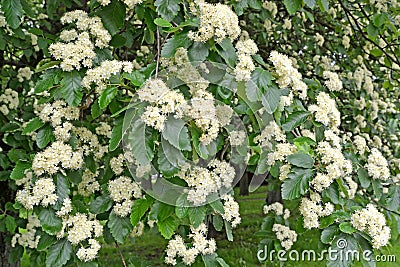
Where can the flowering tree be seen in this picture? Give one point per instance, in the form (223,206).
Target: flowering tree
(117,116)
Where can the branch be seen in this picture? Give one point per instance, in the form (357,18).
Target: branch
(158,51)
(120,254)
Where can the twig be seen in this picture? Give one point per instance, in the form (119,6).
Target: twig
(158,51)
(120,254)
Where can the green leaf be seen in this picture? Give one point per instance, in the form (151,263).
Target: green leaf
(167,9)
(44,137)
(182,206)
(310,3)
(140,206)
(393,198)
(168,226)
(33,125)
(135,77)
(347,228)
(19,170)
(120,227)
(176,133)
(380,19)
(271,99)
(323,5)
(96,110)
(218,222)
(297,183)
(372,30)
(107,96)
(294,120)
(45,241)
(139,146)
(209,260)
(51,224)
(118,41)
(10,223)
(221,262)
(113,16)
(101,204)
(169,159)
(47,80)
(172,44)
(292,5)
(198,51)
(228,231)
(344,245)
(162,22)
(260,80)
(227,52)
(62,189)
(71,89)
(59,253)
(329,233)
(16,254)
(116,136)
(301,160)
(363,177)
(197,215)
(218,206)
(13,12)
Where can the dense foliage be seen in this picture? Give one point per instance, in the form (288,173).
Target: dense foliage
(121,115)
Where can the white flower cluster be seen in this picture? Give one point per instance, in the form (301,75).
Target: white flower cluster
(41,193)
(204,182)
(78,49)
(204,113)
(326,111)
(177,247)
(313,208)
(277,208)
(138,229)
(285,235)
(164,101)
(374,223)
(55,112)
(336,165)
(99,75)
(360,144)
(117,164)
(215,21)
(89,184)
(28,238)
(333,82)
(9,100)
(231,208)
(121,191)
(55,156)
(3,22)
(24,74)
(104,129)
(268,133)
(80,228)
(89,142)
(183,69)
(377,165)
(288,75)
(245,66)
(90,253)
(237,138)
(284,171)
(282,150)
(130,3)
(66,207)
